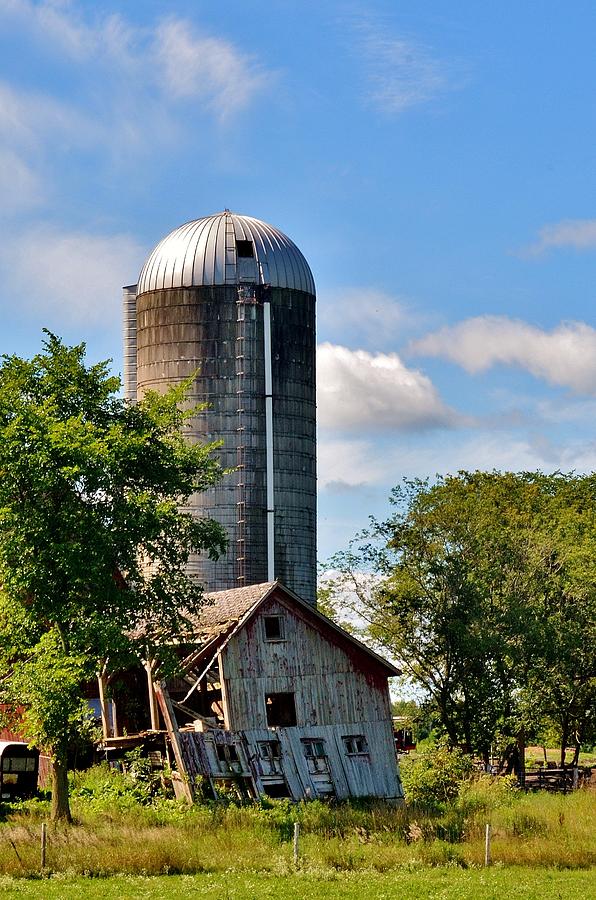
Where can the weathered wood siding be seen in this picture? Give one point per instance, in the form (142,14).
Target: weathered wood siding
(332,684)
(339,692)
(370,774)
(373,774)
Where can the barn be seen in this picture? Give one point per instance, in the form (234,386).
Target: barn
(279,700)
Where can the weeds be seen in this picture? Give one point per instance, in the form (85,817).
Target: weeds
(123,826)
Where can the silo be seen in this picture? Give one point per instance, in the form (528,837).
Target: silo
(232,299)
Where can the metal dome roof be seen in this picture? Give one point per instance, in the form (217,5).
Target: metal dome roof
(205,252)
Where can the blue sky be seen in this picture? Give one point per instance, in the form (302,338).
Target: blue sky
(435,163)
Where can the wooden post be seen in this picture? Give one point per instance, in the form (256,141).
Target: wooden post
(103,704)
(296,840)
(487,846)
(115,731)
(224,694)
(169,716)
(44,838)
(152,698)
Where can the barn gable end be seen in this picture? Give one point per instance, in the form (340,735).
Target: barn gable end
(331,679)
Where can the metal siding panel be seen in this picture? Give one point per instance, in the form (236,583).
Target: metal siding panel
(191,263)
(277,271)
(209,251)
(129,335)
(240,229)
(256,237)
(168,266)
(162,262)
(219,261)
(147,281)
(186,267)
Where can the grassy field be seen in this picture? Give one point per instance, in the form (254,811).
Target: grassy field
(535,757)
(411,883)
(116,834)
(128,842)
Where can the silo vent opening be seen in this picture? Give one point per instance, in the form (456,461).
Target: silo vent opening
(245,249)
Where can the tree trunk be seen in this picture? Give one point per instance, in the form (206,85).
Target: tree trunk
(578,746)
(564,739)
(60,799)
(521,755)
(508,761)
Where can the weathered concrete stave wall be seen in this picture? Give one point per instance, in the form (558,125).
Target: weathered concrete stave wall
(184,331)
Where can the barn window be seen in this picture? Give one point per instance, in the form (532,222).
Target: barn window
(274,628)
(276,790)
(281,710)
(355,744)
(270,750)
(227,753)
(314,749)
(245,249)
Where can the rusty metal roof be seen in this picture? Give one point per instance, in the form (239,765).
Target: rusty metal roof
(206,252)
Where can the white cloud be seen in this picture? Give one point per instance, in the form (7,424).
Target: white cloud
(565,356)
(580,234)
(360,390)
(63,29)
(164,74)
(400,73)
(169,60)
(32,125)
(362,464)
(351,463)
(557,410)
(365,315)
(206,68)
(26,118)
(20,186)
(67,278)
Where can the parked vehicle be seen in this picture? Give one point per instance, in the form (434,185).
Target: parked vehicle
(19,768)
(403,736)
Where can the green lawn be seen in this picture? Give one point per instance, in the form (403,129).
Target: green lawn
(412,884)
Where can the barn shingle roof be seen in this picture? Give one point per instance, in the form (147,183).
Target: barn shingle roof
(224,611)
(225,608)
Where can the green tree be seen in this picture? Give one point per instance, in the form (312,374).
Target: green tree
(93,544)
(559,643)
(483,586)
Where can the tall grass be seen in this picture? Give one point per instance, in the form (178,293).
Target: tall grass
(122,829)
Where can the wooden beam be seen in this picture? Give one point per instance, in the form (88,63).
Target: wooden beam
(153,709)
(103,704)
(169,716)
(224,694)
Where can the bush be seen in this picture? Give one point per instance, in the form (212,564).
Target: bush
(435,776)
(102,787)
(481,792)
